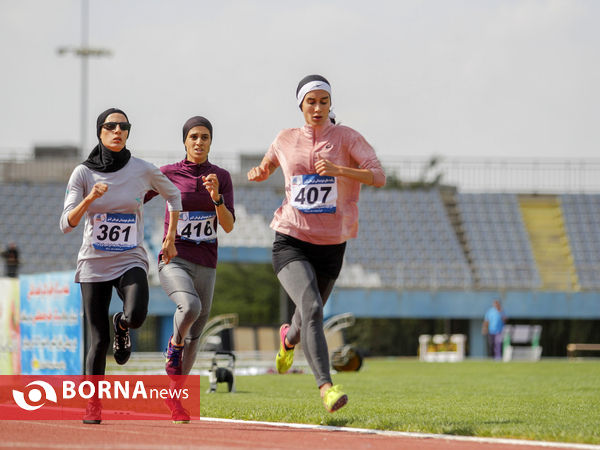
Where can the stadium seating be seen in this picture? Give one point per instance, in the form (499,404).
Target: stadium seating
(29,216)
(254,207)
(498,243)
(582,216)
(406,239)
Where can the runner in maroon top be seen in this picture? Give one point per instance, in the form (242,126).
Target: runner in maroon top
(189,279)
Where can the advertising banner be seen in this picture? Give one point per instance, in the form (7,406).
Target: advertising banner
(10,356)
(51,324)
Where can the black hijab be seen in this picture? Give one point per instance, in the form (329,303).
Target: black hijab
(101,159)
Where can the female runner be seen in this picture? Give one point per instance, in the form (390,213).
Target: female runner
(189,279)
(324,165)
(107,190)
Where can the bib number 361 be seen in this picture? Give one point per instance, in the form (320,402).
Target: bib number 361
(314,193)
(114,232)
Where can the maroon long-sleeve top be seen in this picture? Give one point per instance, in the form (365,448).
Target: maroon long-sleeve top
(187,176)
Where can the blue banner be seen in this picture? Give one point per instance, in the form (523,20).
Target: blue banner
(51,324)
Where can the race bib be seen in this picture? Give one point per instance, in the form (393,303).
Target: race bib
(197,226)
(114,232)
(314,193)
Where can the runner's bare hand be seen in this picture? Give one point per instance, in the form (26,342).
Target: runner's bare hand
(168,249)
(327,168)
(98,191)
(211,183)
(259,173)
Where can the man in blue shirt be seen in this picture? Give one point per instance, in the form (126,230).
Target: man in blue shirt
(493,322)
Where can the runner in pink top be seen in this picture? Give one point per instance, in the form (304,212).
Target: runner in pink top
(324,166)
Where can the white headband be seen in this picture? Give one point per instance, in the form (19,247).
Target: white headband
(312,86)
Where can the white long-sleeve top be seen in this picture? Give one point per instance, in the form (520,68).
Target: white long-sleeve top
(125,195)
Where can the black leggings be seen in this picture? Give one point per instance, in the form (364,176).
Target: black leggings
(132,288)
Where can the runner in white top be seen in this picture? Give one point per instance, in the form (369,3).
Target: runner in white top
(107,191)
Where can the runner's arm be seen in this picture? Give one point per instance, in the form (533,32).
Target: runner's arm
(327,168)
(262,171)
(75,215)
(168,246)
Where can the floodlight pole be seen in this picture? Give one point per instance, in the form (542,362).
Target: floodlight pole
(85,35)
(84,52)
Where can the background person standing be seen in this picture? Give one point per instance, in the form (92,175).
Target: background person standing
(493,324)
(11,258)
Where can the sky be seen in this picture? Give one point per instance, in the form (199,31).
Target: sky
(454,78)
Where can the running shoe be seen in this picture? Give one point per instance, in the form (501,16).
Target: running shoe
(174,355)
(93,412)
(334,398)
(285,358)
(178,413)
(122,343)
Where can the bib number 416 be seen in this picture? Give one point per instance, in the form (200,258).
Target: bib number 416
(197,226)
(195,232)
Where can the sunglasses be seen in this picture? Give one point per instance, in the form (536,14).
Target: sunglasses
(125,126)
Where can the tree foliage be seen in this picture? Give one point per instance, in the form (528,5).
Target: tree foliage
(250,290)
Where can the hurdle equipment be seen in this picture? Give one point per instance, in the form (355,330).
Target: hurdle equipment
(528,338)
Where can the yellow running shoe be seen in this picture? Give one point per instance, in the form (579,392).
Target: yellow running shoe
(334,398)
(285,358)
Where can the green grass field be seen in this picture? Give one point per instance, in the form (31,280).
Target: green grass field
(553,400)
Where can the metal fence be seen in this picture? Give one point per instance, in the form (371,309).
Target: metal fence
(503,175)
(518,175)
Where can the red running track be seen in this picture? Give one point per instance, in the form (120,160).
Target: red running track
(220,434)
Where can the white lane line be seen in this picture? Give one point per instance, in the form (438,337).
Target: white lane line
(448,437)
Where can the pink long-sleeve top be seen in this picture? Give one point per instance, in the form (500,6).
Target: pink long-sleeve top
(296,150)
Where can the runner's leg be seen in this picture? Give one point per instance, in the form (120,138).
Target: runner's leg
(300,282)
(176,281)
(204,283)
(132,288)
(96,300)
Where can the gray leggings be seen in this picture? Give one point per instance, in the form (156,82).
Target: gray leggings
(309,293)
(191,287)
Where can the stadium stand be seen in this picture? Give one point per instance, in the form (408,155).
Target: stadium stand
(254,207)
(545,225)
(29,215)
(582,214)
(499,246)
(406,238)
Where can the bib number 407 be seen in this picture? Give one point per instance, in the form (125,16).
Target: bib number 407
(312,194)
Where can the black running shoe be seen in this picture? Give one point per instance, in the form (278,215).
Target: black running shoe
(122,343)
